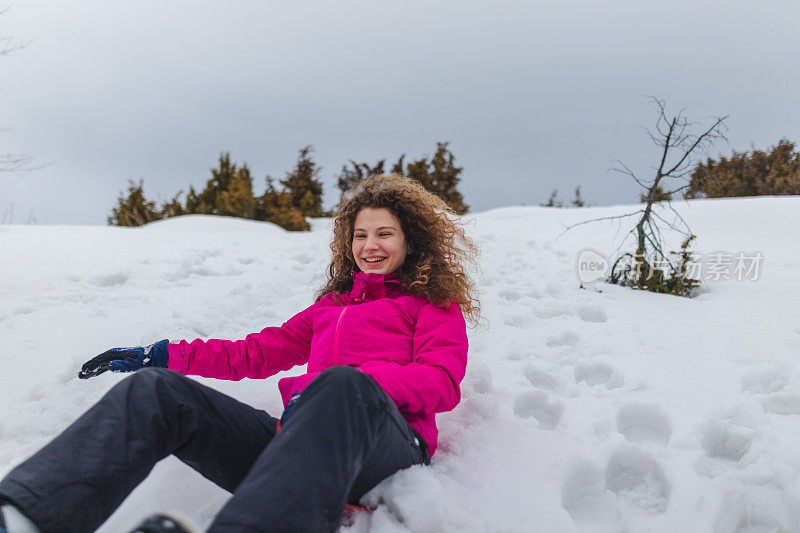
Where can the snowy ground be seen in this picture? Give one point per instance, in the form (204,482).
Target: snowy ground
(597,409)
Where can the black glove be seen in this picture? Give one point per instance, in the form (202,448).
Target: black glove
(126,359)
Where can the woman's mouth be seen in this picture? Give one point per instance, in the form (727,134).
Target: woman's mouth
(374,260)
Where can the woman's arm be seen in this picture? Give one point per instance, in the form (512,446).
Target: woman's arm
(259,355)
(431,382)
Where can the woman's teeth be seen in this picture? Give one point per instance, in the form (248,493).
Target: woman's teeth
(376,260)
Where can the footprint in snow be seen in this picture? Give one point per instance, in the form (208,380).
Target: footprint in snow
(723,440)
(637,479)
(247,260)
(595,373)
(512,295)
(517,354)
(587,313)
(585,498)
(749,513)
(109,280)
(542,380)
(479,377)
(518,320)
(539,405)
(729,436)
(482,405)
(552,309)
(592,313)
(592,497)
(783,403)
(643,422)
(767,380)
(769,385)
(565,338)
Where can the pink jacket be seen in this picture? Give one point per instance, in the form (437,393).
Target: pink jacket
(415,350)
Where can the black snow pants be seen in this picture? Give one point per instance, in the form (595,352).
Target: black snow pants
(344,436)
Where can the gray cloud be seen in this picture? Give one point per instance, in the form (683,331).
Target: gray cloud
(532,95)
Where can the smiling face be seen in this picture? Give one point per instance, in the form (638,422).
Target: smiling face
(379,245)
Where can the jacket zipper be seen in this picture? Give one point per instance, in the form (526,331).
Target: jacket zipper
(336,336)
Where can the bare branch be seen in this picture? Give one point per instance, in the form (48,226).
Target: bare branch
(711,133)
(615,217)
(655,230)
(673,225)
(13,162)
(685,224)
(679,189)
(19,163)
(628,172)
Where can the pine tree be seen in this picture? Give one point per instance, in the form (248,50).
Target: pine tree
(439,175)
(210,198)
(192,205)
(397,168)
(783,176)
(754,173)
(302,185)
(173,208)
(237,200)
(350,176)
(134,209)
(446,177)
(553,201)
(578,201)
(228,192)
(276,206)
(219,181)
(418,170)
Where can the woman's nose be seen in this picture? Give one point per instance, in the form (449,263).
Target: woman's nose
(371,244)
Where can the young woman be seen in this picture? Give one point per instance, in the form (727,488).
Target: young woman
(386,349)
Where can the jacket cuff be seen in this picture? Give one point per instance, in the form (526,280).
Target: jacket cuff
(160,353)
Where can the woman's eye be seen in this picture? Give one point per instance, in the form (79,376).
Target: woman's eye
(385,234)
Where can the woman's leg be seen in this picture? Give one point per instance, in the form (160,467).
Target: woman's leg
(344,436)
(77,480)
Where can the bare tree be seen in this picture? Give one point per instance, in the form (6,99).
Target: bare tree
(553,201)
(9,45)
(680,143)
(578,201)
(11,162)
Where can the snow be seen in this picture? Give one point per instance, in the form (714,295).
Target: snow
(583,409)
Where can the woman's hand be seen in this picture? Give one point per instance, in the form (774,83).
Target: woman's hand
(126,359)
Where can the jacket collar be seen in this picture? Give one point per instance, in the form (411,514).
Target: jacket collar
(368,287)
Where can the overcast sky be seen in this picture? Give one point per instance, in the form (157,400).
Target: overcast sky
(532,96)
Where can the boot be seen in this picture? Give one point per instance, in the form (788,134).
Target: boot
(162,523)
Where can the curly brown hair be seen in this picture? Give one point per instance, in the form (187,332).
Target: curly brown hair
(438,248)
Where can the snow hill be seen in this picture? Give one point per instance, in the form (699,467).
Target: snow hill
(584,409)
